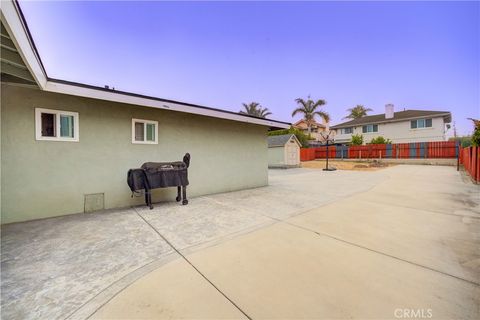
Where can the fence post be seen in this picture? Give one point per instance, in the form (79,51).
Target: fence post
(458,156)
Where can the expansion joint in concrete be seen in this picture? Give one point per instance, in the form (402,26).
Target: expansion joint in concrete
(377,252)
(193,266)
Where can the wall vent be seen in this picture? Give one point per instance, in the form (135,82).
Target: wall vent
(94,202)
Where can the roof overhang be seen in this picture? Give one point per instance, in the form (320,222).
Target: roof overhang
(14,21)
(447,116)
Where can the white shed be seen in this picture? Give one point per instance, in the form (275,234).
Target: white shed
(283,151)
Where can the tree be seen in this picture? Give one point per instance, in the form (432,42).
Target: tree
(357,140)
(380,140)
(357,112)
(310,108)
(255,109)
(476,132)
(302,137)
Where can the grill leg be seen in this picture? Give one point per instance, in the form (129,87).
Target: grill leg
(179,196)
(184,191)
(148,199)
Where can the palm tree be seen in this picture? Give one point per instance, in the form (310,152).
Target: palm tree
(255,109)
(357,112)
(310,108)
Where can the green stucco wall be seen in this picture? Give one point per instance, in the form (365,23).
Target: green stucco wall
(276,156)
(49,178)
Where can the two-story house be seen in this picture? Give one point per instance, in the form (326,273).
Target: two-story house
(318,131)
(400,127)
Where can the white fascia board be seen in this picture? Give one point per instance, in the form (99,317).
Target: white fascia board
(438,115)
(19,35)
(124,98)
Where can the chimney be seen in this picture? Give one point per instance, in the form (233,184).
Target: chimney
(389,111)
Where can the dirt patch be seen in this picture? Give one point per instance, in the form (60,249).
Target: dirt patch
(347,165)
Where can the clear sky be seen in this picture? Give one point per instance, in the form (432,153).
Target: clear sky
(416,55)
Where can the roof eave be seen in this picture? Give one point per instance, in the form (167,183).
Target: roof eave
(447,117)
(15,24)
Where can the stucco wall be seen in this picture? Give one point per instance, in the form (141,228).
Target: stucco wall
(48,178)
(276,156)
(400,132)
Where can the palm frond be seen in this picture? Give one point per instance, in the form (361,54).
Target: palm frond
(324,115)
(297,111)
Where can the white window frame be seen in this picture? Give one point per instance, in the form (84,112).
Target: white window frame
(145,122)
(368,126)
(425,124)
(57,113)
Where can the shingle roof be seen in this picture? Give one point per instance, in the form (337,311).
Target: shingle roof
(397,116)
(296,124)
(279,141)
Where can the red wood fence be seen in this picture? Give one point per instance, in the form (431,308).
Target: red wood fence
(443,149)
(470,158)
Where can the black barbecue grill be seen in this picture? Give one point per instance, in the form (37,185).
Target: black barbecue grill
(153,175)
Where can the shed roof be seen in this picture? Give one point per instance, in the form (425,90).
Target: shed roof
(397,116)
(281,140)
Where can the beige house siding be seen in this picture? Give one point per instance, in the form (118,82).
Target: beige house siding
(400,132)
(49,178)
(317,130)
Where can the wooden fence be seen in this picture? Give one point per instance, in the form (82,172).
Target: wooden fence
(470,159)
(442,149)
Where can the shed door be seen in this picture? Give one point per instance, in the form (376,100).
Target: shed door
(292,153)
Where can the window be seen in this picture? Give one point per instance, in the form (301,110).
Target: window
(56,125)
(144,131)
(347,130)
(370,128)
(421,123)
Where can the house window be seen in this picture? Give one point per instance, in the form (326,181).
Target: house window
(56,125)
(370,128)
(421,123)
(144,131)
(347,130)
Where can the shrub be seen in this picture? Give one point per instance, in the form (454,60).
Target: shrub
(476,135)
(302,137)
(465,141)
(357,140)
(380,140)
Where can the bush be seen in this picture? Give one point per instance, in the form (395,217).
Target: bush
(465,141)
(357,140)
(380,140)
(302,137)
(476,135)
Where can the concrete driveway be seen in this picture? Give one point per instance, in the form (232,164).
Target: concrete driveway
(403,242)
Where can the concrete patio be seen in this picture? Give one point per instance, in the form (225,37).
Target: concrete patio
(313,244)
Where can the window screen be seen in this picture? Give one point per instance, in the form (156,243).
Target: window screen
(428,123)
(139,131)
(48,125)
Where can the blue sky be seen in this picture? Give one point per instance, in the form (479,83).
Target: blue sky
(416,55)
